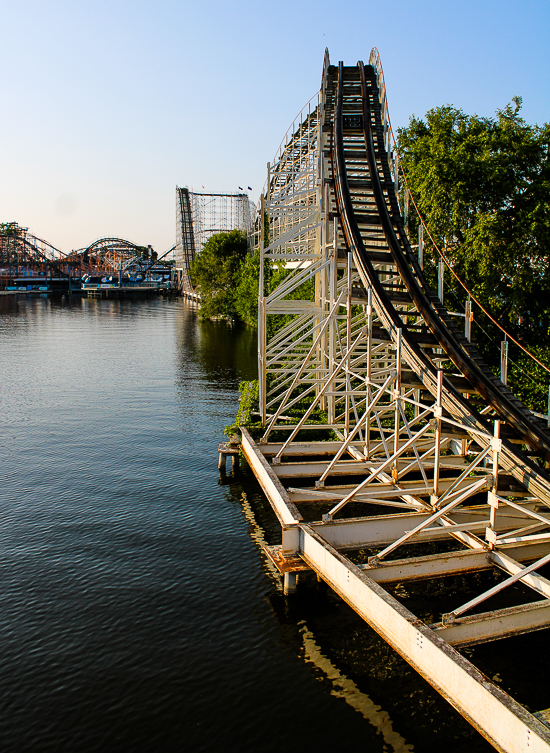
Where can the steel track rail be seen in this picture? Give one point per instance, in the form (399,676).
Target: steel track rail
(411,273)
(523,468)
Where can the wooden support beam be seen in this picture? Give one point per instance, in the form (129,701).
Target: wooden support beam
(315,469)
(373,491)
(447,563)
(381,530)
(284,508)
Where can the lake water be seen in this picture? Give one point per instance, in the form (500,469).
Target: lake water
(137,611)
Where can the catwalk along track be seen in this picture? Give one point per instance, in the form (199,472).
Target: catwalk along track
(387,448)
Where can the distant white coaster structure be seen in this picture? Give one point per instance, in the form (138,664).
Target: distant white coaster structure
(201,215)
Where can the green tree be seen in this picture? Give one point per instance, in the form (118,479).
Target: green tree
(216,273)
(10,228)
(246,299)
(483,188)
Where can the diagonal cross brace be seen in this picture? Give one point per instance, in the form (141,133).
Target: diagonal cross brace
(360,423)
(450,616)
(302,367)
(426,523)
(328,382)
(376,472)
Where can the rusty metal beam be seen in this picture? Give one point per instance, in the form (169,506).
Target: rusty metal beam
(506,724)
(499,623)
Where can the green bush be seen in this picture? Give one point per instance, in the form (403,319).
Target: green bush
(216,271)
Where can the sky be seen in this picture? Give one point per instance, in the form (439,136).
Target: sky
(108,105)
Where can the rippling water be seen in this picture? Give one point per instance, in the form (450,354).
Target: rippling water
(137,612)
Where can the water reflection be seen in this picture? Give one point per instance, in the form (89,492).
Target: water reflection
(350,659)
(342,686)
(225,353)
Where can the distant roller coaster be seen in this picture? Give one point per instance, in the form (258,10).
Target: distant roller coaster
(107,254)
(199,216)
(24,254)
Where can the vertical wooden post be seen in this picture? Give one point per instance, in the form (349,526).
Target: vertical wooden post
(369,367)
(262,337)
(289,583)
(468,317)
(396,175)
(321,279)
(437,415)
(490,533)
(397,397)
(348,345)
(504,361)
(421,245)
(440,279)
(334,322)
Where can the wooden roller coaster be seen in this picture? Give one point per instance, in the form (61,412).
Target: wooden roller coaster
(22,254)
(383,432)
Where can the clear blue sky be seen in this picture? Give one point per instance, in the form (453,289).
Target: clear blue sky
(108,105)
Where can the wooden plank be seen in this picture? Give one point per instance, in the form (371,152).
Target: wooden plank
(282,563)
(315,469)
(447,563)
(381,530)
(373,490)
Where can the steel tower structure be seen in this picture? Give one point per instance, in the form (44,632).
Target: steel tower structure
(200,215)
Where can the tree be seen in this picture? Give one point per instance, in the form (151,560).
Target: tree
(247,291)
(10,228)
(246,299)
(215,272)
(483,188)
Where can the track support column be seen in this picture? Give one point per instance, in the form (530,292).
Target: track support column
(289,583)
(438,412)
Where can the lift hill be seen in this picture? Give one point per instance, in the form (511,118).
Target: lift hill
(406,437)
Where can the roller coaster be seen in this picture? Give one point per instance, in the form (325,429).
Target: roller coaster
(381,430)
(22,253)
(108,254)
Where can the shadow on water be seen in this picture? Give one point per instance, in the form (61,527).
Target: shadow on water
(348,658)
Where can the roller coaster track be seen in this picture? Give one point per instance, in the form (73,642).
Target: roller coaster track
(21,249)
(381,426)
(372,179)
(106,255)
